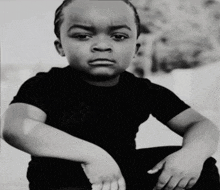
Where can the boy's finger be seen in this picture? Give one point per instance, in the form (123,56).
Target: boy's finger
(172,184)
(121,184)
(156,168)
(114,185)
(162,181)
(182,184)
(97,186)
(191,183)
(106,186)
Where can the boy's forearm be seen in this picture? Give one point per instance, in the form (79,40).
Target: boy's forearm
(201,139)
(39,139)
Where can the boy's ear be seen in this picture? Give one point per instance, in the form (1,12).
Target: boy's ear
(138,45)
(59,47)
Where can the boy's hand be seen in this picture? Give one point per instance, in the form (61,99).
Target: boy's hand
(180,170)
(104,174)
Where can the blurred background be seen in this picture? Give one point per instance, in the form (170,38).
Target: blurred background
(180,50)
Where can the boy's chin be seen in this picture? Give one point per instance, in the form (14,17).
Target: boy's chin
(101,77)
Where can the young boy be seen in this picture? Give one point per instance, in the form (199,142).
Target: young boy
(79,122)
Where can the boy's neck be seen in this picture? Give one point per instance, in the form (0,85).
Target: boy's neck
(97,81)
(104,82)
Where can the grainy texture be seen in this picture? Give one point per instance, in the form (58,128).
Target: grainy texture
(181,34)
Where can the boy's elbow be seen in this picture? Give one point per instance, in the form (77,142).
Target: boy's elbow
(9,137)
(12,131)
(9,133)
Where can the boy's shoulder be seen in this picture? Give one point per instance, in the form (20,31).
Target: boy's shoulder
(47,80)
(53,72)
(144,83)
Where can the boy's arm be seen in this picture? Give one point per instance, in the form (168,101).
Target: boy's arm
(200,135)
(200,140)
(24,128)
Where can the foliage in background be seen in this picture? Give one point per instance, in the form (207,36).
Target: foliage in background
(178,34)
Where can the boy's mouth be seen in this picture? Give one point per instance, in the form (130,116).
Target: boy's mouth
(102,62)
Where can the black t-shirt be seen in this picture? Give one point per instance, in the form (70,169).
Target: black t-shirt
(106,116)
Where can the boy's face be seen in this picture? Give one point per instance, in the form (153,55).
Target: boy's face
(98,37)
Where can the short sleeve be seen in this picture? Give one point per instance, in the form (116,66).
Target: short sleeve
(35,91)
(165,105)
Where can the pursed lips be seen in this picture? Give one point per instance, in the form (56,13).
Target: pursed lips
(102,61)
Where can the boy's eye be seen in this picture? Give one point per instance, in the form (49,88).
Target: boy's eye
(82,36)
(119,37)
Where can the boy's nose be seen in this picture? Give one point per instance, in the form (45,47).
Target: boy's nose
(101,47)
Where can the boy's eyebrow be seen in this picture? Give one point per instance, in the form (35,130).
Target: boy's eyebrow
(84,27)
(91,28)
(117,27)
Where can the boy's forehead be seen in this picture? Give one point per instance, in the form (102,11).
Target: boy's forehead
(90,11)
(86,19)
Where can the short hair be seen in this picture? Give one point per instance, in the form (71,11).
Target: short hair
(59,16)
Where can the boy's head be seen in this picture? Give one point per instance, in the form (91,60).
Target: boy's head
(98,37)
(59,16)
